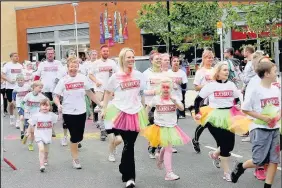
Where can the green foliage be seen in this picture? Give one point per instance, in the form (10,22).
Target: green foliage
(189,22)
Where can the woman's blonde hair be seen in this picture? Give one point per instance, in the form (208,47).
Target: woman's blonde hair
(205,54)
(121,57)
(36,83)
(20,76)
(217,69)
(256,57)
(72,60)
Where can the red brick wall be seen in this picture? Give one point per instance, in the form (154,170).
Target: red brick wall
(86,12)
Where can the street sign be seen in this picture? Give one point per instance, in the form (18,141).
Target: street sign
(219,25)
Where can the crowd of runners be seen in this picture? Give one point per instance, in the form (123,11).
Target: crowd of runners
(124,102)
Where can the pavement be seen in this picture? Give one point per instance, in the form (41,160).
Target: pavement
(195,170)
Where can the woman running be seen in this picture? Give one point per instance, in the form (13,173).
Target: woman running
(128,116)
(73,87)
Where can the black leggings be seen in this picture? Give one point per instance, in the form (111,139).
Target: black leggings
(224,139)
(3,93)
(199,130)
(127,164)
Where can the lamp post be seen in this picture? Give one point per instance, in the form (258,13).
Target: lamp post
(75,23)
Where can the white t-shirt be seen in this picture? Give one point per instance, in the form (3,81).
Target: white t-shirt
(3,84)
(202,77)
(220,95)
(73,91)
(43,124)
(21,93)
(28,75)
(259,98)
(48,72)
(127,91)
(11,70)
(102,71)
(165,112)
(179,76)
(152,80)
(32,104)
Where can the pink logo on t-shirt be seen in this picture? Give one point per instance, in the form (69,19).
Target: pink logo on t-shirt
(166,108)
(16,71)
(22,93)
(273,100)
(43,125)
(32,103)
(51,69)
(223,94)
(154,81)
(208,78)
(130,84)
(177,79)
(74,85)
(105,69)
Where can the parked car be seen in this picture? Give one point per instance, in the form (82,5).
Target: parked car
(142,63)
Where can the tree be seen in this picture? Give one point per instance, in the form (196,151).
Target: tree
(193,23)
(262,19)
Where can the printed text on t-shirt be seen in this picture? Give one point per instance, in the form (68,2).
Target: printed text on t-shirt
(74,85)
(223,94)
(273,100)
(32,103)
(50,69)
(154,81)
(16,71)
(22,93)
(105,69)
(41,125)
(130,84)
(166,108)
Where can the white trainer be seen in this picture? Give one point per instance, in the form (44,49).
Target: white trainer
(112,158)
(64,141)
(171,177)
(76,164)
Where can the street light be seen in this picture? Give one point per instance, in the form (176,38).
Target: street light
(75,22)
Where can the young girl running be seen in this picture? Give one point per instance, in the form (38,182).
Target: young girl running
(19,92)
(43,122)
(31,104)
(165,131)
(218,115)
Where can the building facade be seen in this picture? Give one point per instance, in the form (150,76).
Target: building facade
(54,25)
(9,25)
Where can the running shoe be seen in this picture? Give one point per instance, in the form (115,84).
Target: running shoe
(196,146)
(79,145)
(237,172)
(42,168)
(260,174)
(103,135)
(227,177)
(64,141)
(174,150)
(130,184)
(216,160)
(18,124)
(24,139)
(112,158)
(76,164)
(12,120)
(97,109)
(30,147)
(171,177)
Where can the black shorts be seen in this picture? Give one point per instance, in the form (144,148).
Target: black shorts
(76,126)
(9,94)
(116,132)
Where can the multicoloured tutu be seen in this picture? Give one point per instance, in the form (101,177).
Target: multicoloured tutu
(127,122)
(242,125)
(224,118)
(164,136)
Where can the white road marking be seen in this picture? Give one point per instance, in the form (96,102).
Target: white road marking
(232,154)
